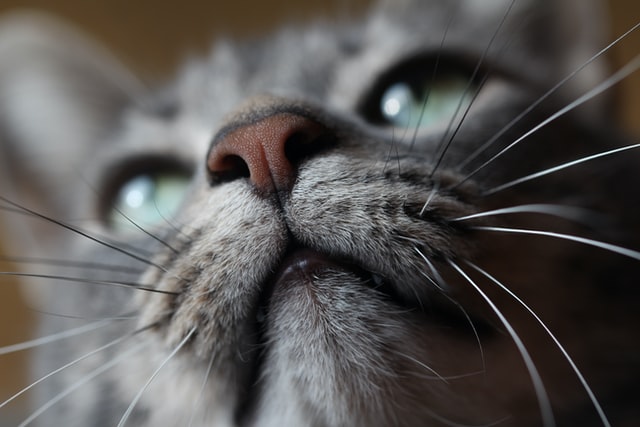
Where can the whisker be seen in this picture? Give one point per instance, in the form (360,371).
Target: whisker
(442,146)
(134,223)
(68,263)
(557,168)
(561,211)
(620,75)
(125,316)
(413,240)
(473,328)
(54,337)
(450,423)
(198,401)
(592,396)
(145,231)
(441,285)
(602,245)
(541,394)
(546,95)
(392,146)
(170,222)
(74,362)
(12,209)
(128,285)
(82,233)
(438,282)
(135,400)
(436,65)
(444,378)
(432,194)
(145,253)
(436,375)
(84,380)
(102,238)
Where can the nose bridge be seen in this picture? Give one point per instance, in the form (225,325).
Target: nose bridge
(267,151)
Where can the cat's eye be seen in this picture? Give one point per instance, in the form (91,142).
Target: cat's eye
(147,200)
(436,102)
(421,93)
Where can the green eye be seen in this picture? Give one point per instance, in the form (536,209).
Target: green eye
(401,105)
(147,200)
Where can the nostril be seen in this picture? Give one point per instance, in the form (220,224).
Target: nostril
(268,151)
(228,168)
(301,145)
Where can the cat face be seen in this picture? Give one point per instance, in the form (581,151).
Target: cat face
(350,225)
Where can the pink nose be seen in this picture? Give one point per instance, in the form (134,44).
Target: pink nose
(268,151)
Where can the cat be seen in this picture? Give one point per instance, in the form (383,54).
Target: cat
(421,218)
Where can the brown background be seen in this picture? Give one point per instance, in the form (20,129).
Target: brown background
(153,36)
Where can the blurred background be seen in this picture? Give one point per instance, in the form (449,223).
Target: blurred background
(152,37)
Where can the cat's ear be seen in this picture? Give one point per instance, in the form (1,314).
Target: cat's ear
(60,94)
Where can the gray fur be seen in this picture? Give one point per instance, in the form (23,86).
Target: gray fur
(335,349)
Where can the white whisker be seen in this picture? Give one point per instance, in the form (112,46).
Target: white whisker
(80,383)
(125,316)
(415,241)
(620,75)
(198,401)
(473,328)
(144,230)
(436,375)
(135,400)
(546,95)
(450,378)
(450,132)
(55,337)
(558,168)
(607,246)
(566,212)
(541,394)
(70,264)
(68,365)
(592,396)
(393,146)
(425,101)
(432,194)
(126,285)
(79,232)
(438,281)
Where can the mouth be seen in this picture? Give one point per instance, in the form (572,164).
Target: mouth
(301,266)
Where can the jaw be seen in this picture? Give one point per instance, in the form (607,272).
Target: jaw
(303,318)
(309,321)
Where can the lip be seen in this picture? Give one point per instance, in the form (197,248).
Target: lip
(297,267)
(300,266)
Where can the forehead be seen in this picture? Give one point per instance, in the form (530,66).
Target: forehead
(334,63)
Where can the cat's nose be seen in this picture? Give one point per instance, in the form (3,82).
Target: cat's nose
(268,151)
